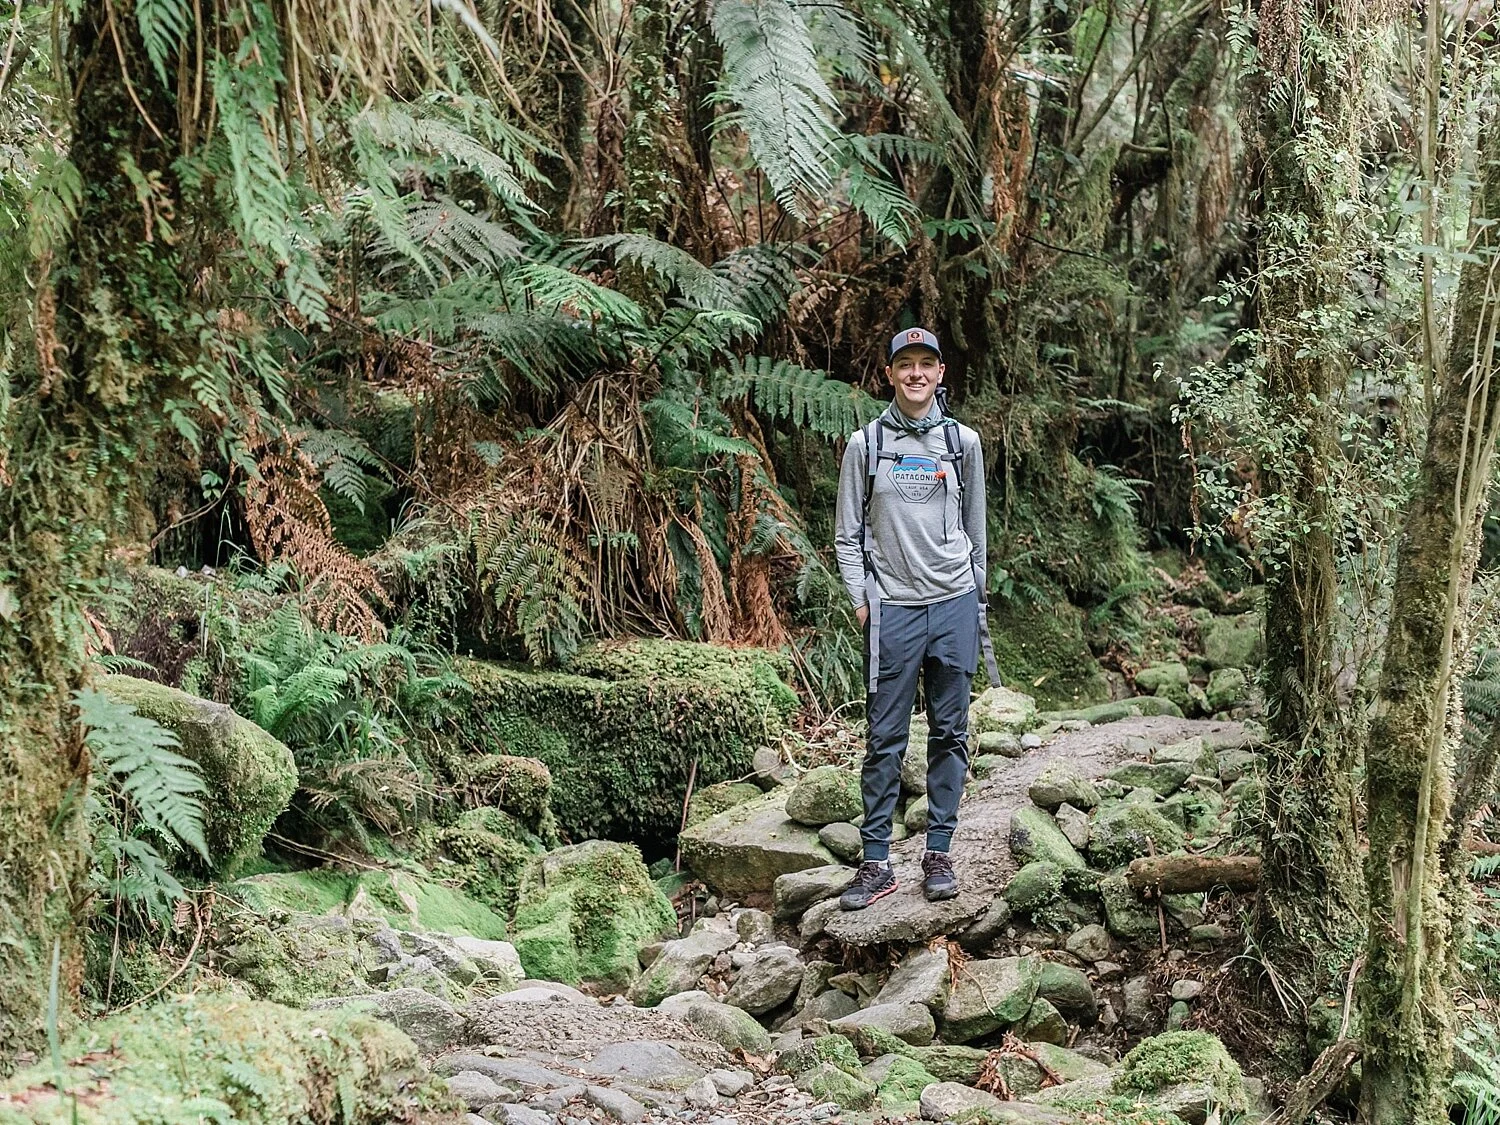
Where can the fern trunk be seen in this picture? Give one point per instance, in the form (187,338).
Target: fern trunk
(1415,870)
(1310,912)
(75,429)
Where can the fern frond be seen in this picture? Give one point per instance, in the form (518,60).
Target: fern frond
(468,243)
(559,290)
(162,787)
(164,25)
(808,398)
(421,129)
(682,436)
(770,73)
(700,286)
(761,279)
(873,195)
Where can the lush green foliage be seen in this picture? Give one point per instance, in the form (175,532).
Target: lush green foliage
(145,806)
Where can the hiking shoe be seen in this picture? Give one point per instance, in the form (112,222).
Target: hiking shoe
(875,881)
(938,881)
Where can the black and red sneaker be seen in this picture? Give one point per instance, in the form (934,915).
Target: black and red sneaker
(874,882)
(938,882)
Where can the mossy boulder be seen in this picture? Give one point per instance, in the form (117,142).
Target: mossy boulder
(1163,777)
(1169,680)
(902,1081)
(1127,830)
(250,776)
(303,959)
(631,719)
(990,995)
(584,913)
(717,798)
(825,795)
(1061,783)
(405,900)
(1158,1068)
(834,1050)
(519,786)
(1004,711)
(230,1059)
(1233,642)
(1035,887)
(1227,687)
(1126,915)
(741,851)
(829,1083)
(1035,836)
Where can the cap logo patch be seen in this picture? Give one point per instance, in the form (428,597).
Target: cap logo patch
(915,335)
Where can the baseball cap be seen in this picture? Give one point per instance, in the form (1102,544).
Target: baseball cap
(913,338)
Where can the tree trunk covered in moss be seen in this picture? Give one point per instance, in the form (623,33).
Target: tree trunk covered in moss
(1416,878)
(1309,98)
(76,430)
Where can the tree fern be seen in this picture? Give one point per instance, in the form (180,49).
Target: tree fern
(771,76)
(428,129)
(808,398)
(687,433)
(135,758)
(761,279)
(469,243)
(873,195)
(675,268)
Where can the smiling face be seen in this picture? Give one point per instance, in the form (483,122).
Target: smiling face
(915,374)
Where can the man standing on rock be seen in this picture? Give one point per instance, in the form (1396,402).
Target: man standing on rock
(911,548)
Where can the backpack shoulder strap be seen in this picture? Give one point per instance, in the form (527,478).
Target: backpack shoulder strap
(954,441)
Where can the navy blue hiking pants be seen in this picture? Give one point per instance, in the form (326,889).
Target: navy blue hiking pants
(939,643)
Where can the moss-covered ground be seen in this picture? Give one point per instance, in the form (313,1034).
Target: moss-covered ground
(406,900)
(225,1058)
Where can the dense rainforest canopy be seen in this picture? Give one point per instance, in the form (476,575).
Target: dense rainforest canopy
(437,348)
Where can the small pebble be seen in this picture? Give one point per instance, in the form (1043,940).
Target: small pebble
(1030,741)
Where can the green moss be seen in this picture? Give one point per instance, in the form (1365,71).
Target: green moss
(1183,1056)
(1124,831)
(832,1049)
(903,1082)
(487,850)
(1046,643)
(405,900)
(951,1064)
(585,912)
(228,1058)
(635,724)
(829,1083)
(1097,1111)
(519,786)
(292,964)
(250,775)
(876,1041)
(714,799)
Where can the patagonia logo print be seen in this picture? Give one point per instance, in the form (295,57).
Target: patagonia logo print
(916,477)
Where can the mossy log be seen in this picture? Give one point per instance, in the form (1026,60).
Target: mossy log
(1189,874)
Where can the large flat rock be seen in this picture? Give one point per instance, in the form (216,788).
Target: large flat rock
(743,850)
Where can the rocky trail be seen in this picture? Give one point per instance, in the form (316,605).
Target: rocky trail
(1002,1007)
(981,846)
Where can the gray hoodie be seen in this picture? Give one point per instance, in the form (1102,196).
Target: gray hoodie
(925,545)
